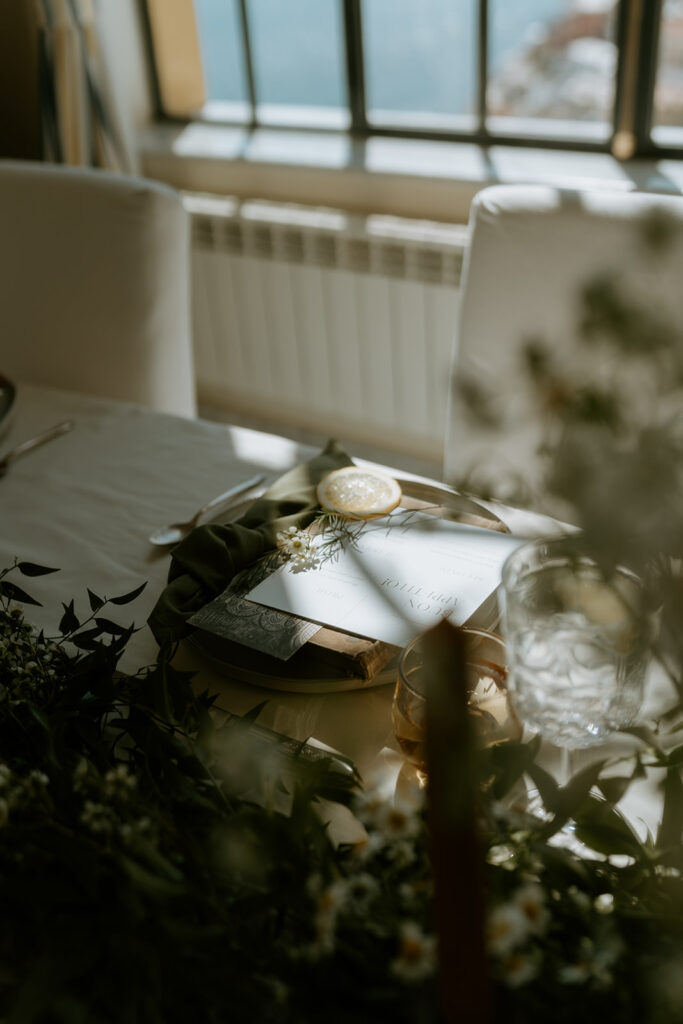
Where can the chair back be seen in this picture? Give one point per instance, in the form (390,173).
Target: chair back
(95,285)
(532,252)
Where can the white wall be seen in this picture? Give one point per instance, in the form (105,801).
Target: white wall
(122,37)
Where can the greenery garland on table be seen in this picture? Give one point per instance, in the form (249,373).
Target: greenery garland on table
(149,873)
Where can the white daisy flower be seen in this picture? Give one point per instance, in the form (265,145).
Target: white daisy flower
(297,548)
(574,974)
(593,963)
(330,902)
(97,817)
(119,781)
(367,805)
(519,969)
(507,927)
(333,897)
(530,899)
(366,848)
(416,958)
(397,820)
(304,560)
(500,854)
(402,852)
(361,890)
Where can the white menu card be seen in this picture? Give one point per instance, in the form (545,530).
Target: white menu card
(399,577)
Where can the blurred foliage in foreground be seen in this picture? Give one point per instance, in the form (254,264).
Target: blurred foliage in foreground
(159,863)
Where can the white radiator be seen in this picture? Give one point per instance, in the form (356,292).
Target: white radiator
(322,320)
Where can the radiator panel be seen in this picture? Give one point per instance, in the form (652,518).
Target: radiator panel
(312,319)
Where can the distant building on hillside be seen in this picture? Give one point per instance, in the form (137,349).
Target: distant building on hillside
(566,73)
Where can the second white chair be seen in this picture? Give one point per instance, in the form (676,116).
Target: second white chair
(532,251)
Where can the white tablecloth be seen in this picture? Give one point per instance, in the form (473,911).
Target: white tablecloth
(87,502)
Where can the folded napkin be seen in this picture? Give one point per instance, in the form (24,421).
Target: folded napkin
(204,563)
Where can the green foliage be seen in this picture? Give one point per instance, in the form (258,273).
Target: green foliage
(610,415)
(159,862)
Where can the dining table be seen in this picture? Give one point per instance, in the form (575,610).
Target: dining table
(87,502)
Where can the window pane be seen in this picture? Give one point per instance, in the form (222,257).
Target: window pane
(419,57)
(222,58)
(298,52)
(552,59)
(668,112)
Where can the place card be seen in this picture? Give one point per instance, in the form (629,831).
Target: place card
(399,575)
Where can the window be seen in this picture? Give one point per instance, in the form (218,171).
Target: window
(582,74)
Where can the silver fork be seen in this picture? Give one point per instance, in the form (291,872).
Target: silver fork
(34,442)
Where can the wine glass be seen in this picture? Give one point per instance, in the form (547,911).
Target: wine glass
(578,640)
(486,681)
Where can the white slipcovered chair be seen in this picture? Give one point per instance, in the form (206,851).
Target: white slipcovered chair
(95,285)
(532,250)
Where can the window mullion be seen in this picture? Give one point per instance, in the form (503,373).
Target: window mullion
(355,67)
(637,39)
(248,60)
(647,71)
(482,63)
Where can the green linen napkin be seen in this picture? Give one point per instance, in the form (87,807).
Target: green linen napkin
(207,559)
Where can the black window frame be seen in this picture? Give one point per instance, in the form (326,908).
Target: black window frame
(637,38)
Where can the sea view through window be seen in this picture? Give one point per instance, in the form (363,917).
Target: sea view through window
(548,62)
(546,57)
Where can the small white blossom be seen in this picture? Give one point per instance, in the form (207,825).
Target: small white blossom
(367,804)
(507,927)
(329,902)
(574,974)
(119,781)
(333,897)
(298,548)
(395,819)
(97,817)
(593,962)
(604,903)
(80,773)
(530,899)
(416,958)
(361,890)
(519,969)
(304,560)
(402,852)
(366,848)
(500,854)
(417,891)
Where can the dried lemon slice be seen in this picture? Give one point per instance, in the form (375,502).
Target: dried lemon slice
(358,493)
